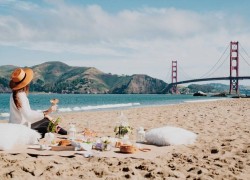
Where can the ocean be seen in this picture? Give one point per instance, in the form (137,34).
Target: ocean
(97,102)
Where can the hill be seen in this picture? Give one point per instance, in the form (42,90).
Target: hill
(211,88)
(58,77)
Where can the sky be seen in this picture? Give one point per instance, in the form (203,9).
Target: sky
(127,36)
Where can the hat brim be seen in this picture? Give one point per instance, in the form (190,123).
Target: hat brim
(28,78)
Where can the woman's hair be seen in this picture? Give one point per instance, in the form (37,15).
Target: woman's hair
(15,98)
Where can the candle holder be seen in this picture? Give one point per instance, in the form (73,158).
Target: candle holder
(140,135)
(122,128)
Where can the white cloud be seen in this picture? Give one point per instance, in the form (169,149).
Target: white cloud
(139,41)
(18,5)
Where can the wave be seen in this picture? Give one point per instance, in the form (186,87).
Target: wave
(4,114)
(85,108)
(105,106)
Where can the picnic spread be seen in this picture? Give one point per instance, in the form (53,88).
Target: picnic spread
(88,143)
(99,147)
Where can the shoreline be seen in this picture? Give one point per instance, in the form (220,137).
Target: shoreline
(122,107)
(221,151)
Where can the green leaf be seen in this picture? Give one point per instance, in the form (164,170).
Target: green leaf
(52,126)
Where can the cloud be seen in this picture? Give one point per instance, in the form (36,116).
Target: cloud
(18,5)
(144,40)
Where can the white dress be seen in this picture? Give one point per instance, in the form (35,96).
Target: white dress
(24,115)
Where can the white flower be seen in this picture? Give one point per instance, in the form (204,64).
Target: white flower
(105,140)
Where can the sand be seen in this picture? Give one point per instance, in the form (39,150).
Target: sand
(221,151)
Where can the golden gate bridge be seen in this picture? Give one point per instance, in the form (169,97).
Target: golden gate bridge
(233,77)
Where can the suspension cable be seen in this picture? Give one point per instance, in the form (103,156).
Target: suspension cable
(208,72)
(219,66)
(244,50)
(187,76)
(244,59)
(168,76)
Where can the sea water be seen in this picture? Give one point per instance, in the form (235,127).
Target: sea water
(94,102)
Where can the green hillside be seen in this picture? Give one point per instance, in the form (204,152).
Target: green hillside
(57,77)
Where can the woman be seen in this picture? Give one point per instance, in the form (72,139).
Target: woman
(20,111)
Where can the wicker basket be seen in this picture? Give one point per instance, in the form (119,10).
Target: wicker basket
(127,149)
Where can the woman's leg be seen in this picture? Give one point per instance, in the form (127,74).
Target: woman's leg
(42,127)
(61,131)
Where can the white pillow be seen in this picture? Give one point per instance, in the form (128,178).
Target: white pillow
(16,134)
(168,135)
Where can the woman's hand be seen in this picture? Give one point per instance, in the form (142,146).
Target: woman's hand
(53,108)
(50,110)
(46,112)
(49,117)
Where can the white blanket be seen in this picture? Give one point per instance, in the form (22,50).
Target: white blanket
(15,134)
(169,135)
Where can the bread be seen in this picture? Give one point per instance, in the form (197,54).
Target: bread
(89,133)
(64,142)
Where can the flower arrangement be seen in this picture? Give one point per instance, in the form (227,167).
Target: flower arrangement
(103,144)
(105,140)
(122,128)
(53,123)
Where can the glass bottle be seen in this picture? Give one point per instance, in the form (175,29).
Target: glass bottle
(49,138)
(72,132)
(140,136)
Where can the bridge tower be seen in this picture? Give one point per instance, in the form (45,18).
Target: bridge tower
(174,77)
(234,67)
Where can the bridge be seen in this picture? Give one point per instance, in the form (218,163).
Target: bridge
(233,76)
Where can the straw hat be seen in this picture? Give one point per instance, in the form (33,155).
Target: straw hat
(20,78)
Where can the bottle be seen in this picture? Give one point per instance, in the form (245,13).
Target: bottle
(140,136)
(72,132)
(49,138)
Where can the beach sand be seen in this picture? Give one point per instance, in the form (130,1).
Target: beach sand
(221,151)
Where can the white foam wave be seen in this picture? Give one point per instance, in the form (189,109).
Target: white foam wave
(65,109)
(4,114)
(76,109)
(105,106)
